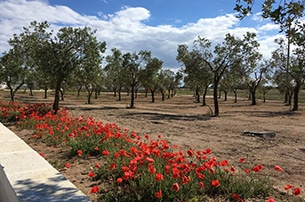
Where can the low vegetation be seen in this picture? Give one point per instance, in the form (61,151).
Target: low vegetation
(138,168)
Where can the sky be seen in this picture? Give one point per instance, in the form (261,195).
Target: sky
(158,26)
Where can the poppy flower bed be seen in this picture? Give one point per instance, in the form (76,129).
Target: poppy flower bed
(135,167)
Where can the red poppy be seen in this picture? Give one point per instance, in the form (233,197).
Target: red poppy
(151,169)
(278,168)
(149,160)
(175,187)
(119,180)
(224,163)
(235,196)
(185,180)
(42,155)
(207,151)
(296,191)
(215,183)
(190,152)
(96,148)
(94,189)
(247,170)
(288,186)
(270,200)
(232,169)
(105,152)
(176,173)
(159,177)
(201,185)
(133,150)
(91,174)
(112,166)
(257,168)
(242,160)
(79,152)
(127,175)
(67,165)
(97,165)
(158,194)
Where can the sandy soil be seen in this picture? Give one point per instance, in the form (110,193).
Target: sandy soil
(188,124)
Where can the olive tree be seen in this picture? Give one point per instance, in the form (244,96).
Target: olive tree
(57,56)
(231,53)
(13,71)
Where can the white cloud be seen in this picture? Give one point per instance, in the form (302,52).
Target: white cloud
(257,17)
(124,29)
(269,27)
(267,44)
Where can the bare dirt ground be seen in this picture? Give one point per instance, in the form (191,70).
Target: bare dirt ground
(188,124)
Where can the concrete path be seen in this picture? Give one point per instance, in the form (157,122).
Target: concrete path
(32,178)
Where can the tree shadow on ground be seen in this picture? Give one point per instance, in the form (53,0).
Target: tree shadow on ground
(162,116)
(92,108)
(266,113)
(51,191)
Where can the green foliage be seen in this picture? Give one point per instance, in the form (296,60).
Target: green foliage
(57,164)
(13,70)
(56,57)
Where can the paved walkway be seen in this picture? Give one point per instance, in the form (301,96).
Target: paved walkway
(32,178)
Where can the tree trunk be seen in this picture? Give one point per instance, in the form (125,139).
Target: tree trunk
(204,103)
(253,92)
(90,92)
(215,97)
(163,95)
(205,91)
(197,95)
(169,94)
(56,96)
(12,91)
(289,98)
(96,93)
(132,96)
(78,91)
(152,96)
(31,91)
(89,97)
(286,97)
(114,92)
(119,92)
(146,92)
(12,94)
(296,91)
(235,96)
(173,92)
(226,95)
(45,92)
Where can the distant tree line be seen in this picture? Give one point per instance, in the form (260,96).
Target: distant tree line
(73,58)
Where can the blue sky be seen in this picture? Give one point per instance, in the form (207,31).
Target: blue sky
(162,11)
(134,25)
